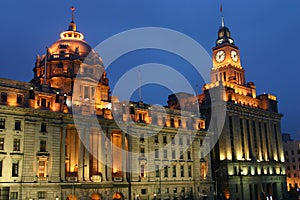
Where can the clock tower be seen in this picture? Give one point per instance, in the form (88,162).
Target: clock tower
(226,59)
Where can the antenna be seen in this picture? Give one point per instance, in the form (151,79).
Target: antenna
(140,85)
(45,67)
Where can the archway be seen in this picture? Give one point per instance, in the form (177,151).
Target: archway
(95,197)
(118,196)
(71,197)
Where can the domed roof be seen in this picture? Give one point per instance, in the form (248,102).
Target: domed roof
(70,42)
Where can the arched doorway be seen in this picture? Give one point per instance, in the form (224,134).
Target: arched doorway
(118,196)
(95,197)
(71,197)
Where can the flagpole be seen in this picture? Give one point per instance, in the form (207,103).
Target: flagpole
(45,67)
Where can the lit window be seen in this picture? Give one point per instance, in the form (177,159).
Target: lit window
(142,171)
(17,125)
(16,146)
(15,168)
(42,167)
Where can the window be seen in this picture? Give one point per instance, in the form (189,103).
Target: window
(142,171)
(15,168)
(286,153)
(1,167)
(42,167)
(292,152)
(181,155)
(166,171)
(1,144)
(156,153)
(144,191)
(14,195)
(180,141)
(175,190)
(165,139)
(165,154)
(190,171)
(19,99)
(41,195)
(182,171)
(142,138)
(2,123)
(173,154)
(43,102)
(43,127)
(16,146)
(189,157)
(4,97)
(156,171)
(174,171)
(298,151)
(188,141)
(172,140)
(86,92)
(43,145)
(142,152)
(17,125)
(172,122)
(156,139)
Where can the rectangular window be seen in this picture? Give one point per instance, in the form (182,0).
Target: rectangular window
(166,172)
(156,153)
(188,141)
(174,171)
(165,139)
(86,92)
(175,190)
(3,97)
(189,157)
(144,191)
(182,171)
(142,138)
(173,154)
(1,144)
(41,195)
(42,167)
(180,141)
(14,195)
(2,123)
(43,102)
(17,125)
(142,171)
(15,168)
(16,146)
(43,145)
(172,140)
(156,171)
(190,171)
(166,154)
(19,99)
(156,139)
(181,155)
(142,152)
(43,127)
(1,167)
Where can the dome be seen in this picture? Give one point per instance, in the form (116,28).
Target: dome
(70,43)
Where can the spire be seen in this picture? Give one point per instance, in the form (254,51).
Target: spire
(72,25)
(221,10)
(73,10)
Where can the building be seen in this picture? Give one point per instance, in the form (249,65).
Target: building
(292,158)
(248,157)
(45,154)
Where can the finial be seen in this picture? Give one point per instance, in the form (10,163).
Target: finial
(223,21)
(73,10)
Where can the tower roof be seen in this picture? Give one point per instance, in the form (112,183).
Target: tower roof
(71,41)
(224,35)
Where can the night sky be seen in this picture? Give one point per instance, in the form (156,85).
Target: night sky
(267,33)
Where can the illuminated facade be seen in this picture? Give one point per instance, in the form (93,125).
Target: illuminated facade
(43,155)
(292,158)
(248,158)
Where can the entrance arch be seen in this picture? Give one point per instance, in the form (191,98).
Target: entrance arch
(71,197)
(118,196)
(95,197)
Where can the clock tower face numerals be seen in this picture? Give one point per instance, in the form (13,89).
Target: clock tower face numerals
(220,56)
(234,55)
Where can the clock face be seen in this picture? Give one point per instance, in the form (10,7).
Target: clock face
(220,56)
(234,55)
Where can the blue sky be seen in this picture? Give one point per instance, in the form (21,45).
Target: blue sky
(267,33)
